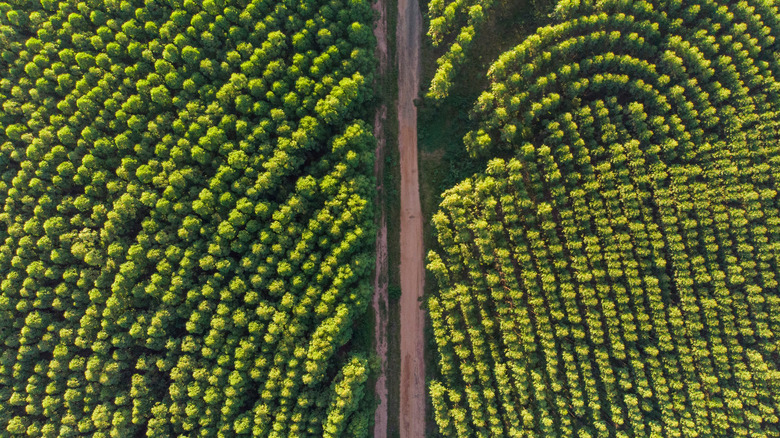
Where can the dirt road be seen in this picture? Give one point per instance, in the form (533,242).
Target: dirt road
(380,302)
(412,412)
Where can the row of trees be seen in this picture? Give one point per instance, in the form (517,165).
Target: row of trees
(456,23)
(187,220)
(618,276)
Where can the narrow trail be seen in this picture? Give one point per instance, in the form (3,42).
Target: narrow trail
(412,409)
(380,299)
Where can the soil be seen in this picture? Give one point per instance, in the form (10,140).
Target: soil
(380,299)
(380,33)
(412,409)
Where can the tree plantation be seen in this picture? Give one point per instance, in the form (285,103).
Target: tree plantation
(614,270)
(186,231)
(454,23)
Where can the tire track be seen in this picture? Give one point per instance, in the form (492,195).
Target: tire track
(412,409)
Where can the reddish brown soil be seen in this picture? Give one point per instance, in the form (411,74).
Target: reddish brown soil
(380,302)
(412,412)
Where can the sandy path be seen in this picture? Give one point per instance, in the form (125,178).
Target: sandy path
(412,413)
(379,302)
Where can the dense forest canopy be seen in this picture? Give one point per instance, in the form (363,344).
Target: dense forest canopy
(187,221)
(613,272)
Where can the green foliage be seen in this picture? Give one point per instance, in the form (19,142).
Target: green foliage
(348,392)
(460,27)
(187,228)
(616,273)
(456,22)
